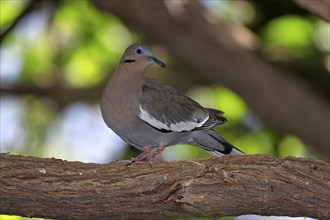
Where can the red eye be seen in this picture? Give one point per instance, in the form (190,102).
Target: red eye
(138,51)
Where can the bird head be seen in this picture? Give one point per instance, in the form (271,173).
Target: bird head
(142,54)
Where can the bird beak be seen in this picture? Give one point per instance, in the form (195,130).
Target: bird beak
(157,61)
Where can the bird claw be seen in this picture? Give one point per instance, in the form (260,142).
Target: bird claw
(140,162)
(140,158)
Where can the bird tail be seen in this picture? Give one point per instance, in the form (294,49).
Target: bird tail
(211,141)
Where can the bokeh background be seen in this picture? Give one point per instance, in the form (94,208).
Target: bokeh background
(55,61)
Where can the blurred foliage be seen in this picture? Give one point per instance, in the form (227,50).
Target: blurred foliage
(9,10)
(90,52)
(14,217)
(73,45)
(292,34)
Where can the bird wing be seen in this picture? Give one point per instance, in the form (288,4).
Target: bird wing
(165,108)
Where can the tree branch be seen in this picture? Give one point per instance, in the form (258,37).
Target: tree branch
(203,42)
(255,184)
(61,95)
(320,8)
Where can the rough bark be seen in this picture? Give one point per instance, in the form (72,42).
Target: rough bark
(204,43)
(227,186)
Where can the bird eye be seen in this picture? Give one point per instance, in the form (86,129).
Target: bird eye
(139,51)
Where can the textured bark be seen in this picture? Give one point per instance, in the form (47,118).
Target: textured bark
(319,7)
(203,42)
(255,184)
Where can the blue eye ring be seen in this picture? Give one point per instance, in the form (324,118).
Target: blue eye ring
(139,51)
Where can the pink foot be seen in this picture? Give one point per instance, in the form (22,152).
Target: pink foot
(158,151)
(140,158)
(142,155)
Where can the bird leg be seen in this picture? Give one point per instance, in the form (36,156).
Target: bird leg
(145,153)
(142,155)
(158,151)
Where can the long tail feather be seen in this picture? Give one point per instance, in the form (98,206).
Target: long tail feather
(211,141)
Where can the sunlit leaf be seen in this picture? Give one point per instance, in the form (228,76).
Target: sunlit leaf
(94,42)
(230,103)
(15,217)
(291,145)
(116,38)
(256,142)
(290,33)
(220,98)
(83,69)
(9,10)
(38,61)
(184,152)
(322,36)
(203,95)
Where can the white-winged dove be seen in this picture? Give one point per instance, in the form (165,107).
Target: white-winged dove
(149,114)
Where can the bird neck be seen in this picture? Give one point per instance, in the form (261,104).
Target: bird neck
(125,82)
(126,75)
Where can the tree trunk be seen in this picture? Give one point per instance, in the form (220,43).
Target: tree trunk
(226,186)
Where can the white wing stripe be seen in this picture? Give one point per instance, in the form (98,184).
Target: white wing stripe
(179,126)
(151,120)
(203,122)
(187,125)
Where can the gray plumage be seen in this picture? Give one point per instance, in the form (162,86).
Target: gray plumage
(148,113)
(171,107)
